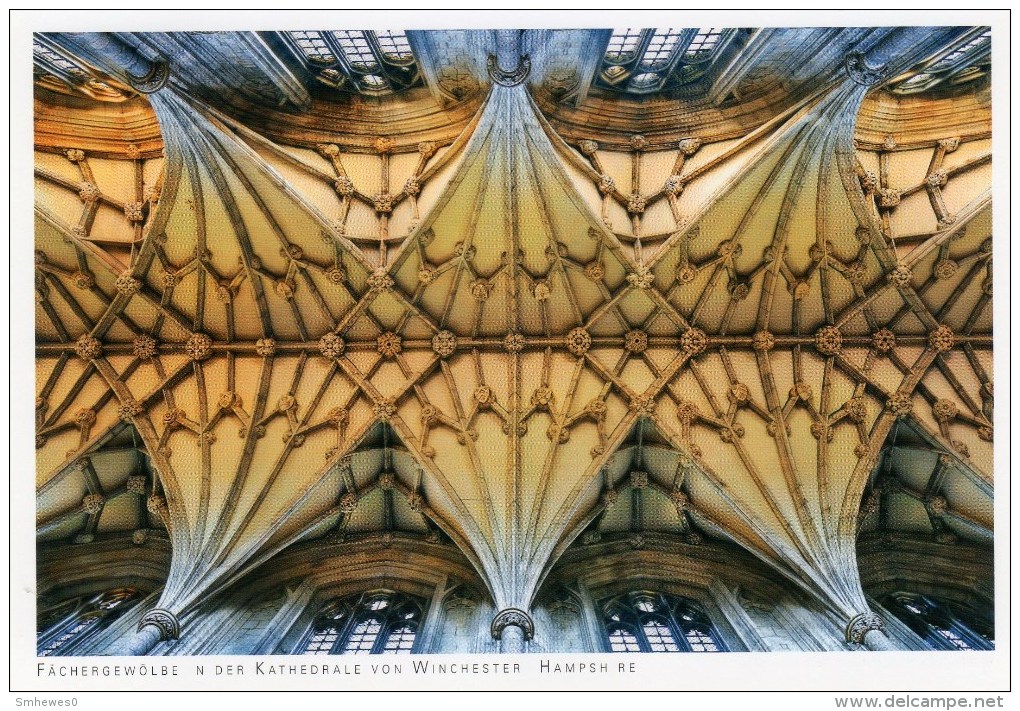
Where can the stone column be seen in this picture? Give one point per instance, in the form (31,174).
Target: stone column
(513,628)
(155,626)
(867,629)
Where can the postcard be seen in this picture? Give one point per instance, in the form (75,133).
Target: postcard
(645,351)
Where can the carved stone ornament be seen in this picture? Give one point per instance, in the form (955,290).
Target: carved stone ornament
(513,342)
(541,290)
(900,404)
(945,269)
(139,537)
(859,71)
(199,346)
(163,620)
(856,409)
(689,146)
(587,147)
(384,145)
(75,155)
(331,346)
(888,197)
(936,505)
(92,504)
(606,184)
(642,278)
(136,484)
(686,411)
(513,77)
(638,142)
(949,144)
(88,192)
(85,418)
(869,181)
(348,502)
(828,340)
(945,410)
(153,80)
(883,340)
(426,148)
(129,409)
(693,341)
(412,186)
(578,341)
(126,284)
(384,410)
(427,274)
(763,341)
(636,204)
(83,280)
(941,339)
(444,343)
(739,393)
(515,617)
(144,347)
(343,186)
(937,178)
(265,347)
(387,481)
(382,202)
(685,273)
(133,211)
(639,480)
(481,289)
(594,271)
(389,344)
(673,186)
(861,624)
(88,348)
(156,504)
(635,341)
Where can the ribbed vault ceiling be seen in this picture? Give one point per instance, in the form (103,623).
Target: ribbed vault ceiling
(490,338)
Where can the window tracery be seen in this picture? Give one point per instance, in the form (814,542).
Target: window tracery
(642,61)
(61,73)
(654,622)
(940,625)
(372,63)
(377,622)
(964,63)
(74,620)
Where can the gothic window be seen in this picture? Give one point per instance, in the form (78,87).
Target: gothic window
(372,63)
(64,73)
(654,622)
(941,626)
(961,64)
(62,628)
(644,61)
(379,622)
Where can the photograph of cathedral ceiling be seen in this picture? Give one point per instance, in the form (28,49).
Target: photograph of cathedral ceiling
(513,341)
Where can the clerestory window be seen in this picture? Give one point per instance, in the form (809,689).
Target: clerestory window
(64,627)
(378,622)
(371,63)
(654,622)
(967,61)
(642,61)
(942,626)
